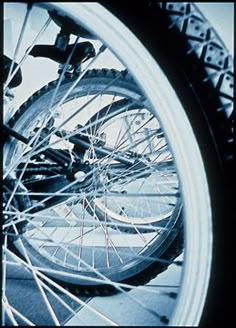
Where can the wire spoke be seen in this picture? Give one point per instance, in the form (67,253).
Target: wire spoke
(59,288)
(29,8)
(27,53)
(108,281)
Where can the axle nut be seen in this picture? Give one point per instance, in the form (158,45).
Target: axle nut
(80,176)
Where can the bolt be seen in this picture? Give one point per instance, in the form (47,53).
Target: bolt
(80,176)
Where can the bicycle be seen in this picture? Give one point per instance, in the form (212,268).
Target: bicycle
(99,195)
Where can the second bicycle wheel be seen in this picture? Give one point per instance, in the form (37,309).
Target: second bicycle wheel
(133,187)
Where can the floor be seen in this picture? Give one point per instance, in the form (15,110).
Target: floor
(24,295)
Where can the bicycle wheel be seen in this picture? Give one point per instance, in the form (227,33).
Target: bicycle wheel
(136,161)
(172,121)
(140,143)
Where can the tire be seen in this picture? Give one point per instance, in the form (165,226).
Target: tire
(201,72)
(197,123)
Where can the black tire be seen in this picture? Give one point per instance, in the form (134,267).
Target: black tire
(200,68)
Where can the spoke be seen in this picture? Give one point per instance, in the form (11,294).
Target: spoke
(34,151)
(62,76)
(56,194)
(119,139)
(29,7)
(101,281)
(137,130)
(140,255)
(69,91)
(104,231)
(17,185)
(61,289)
(134,226)
(38,282)
(4,270)
(115,284)
(71,134)
(111,224)
(21,316)
(152,289)
(46,119)
(130,136)
(106,280)
(50,197)
(97,128)
(115,195)
(76,82)
(146,202)
(81,233)
(9,311)
(73,312)
(148,146)
(64,188)
(65,212)
(27,53)
(103,151)
(117,147)
(141,141)
(107,237)
(139,173)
